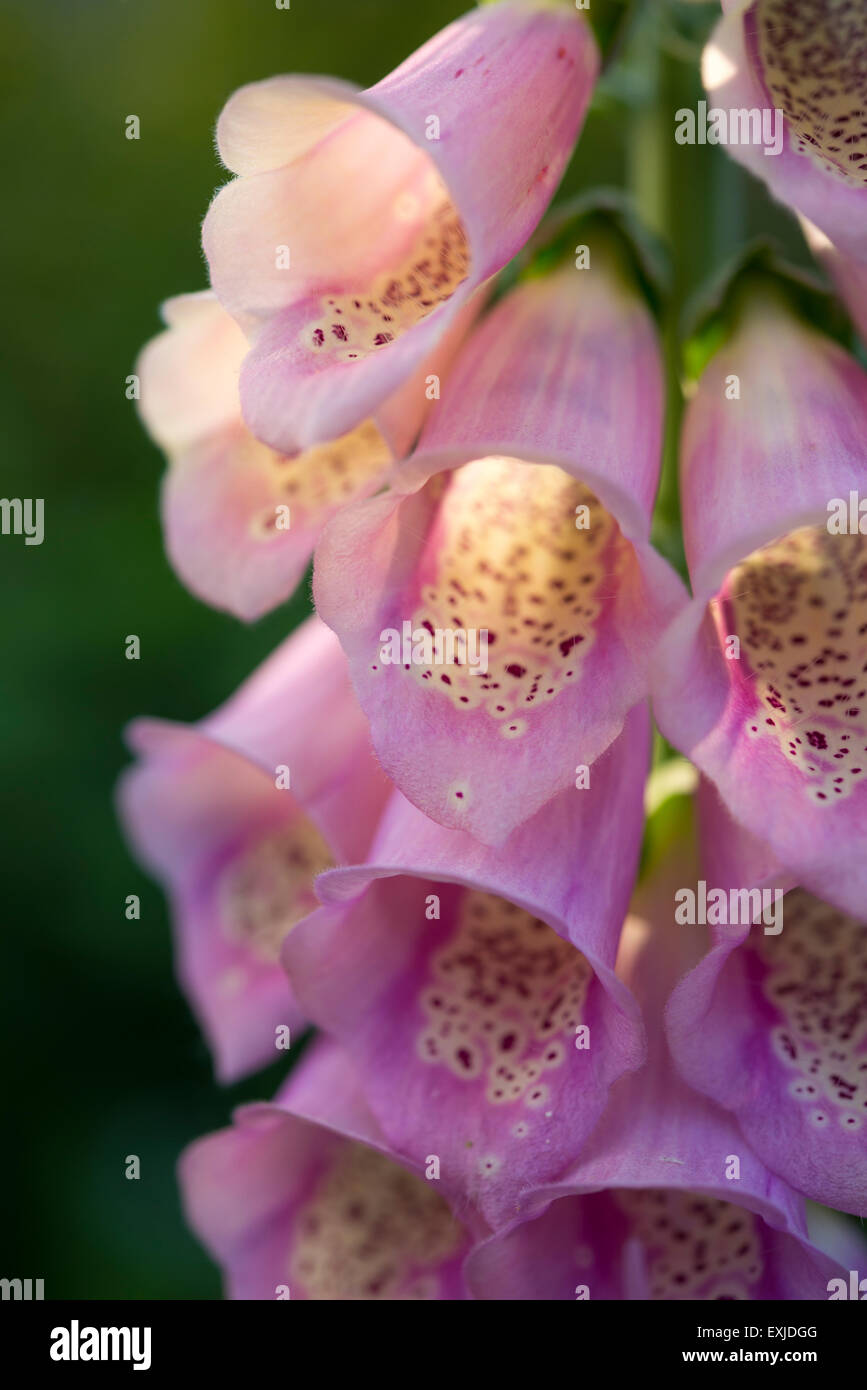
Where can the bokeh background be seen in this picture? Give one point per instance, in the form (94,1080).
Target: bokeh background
(104,1059)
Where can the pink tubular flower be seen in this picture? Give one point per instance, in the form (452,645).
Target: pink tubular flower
(303,1199)
(240,519)
(476,989)
(534,554)
(805,59)
(762,681)
(772,1023)
(236,816)
(361,221)
(667,1201)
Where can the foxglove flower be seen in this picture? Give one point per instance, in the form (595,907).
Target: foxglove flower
(236,816)
(302,1199)
(804,58)
(240,519)
(667,1201)
(476,988)
(535,553)
(772,1023)
(362,221)
(762,681)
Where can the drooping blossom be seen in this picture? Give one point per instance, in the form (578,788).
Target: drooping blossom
(805,59)
(667,1201)
(303,1199)
(762,681)
(240,519)
(520,527)
(772,1022)
(360,222)
(236,816)
(476,989)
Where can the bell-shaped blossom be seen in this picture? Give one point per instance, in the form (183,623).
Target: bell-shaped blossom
(667,1201)
(476,988)
(762,680)
(772,1023)
(241,520)
(236,816)
(500,603)
(303,1199)
(362,221)
(798,67)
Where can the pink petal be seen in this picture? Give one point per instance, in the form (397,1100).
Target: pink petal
(189,373)
(269,1199)
(448,970)
(782,729)
(849,276)
(240,519)
(237,854)
(767,1024)
(652,1208)
(363,195)
(731,856)
(566,366)
(572,615)
(200,818)
(754,62)
(606,1244)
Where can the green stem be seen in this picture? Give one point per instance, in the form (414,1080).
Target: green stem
(651,182)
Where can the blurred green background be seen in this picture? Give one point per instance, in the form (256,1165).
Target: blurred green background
(103,1057)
